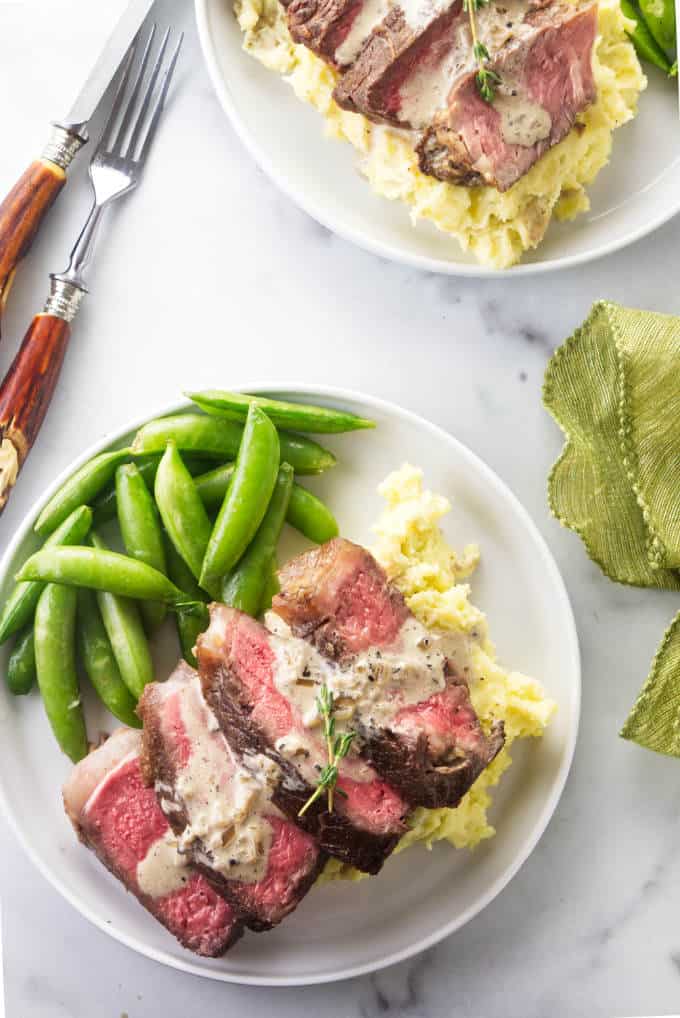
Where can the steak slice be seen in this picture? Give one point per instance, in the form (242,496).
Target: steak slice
(218,803)
(334,29)
(116,816)
(407,684)
(546,80)
(401,75)
(243,669)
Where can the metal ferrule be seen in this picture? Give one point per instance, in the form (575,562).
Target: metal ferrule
(64,299)
(62,146)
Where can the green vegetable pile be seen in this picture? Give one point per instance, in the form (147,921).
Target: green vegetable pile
(190,534)
(654,32)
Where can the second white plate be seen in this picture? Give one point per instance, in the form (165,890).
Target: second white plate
(635,194)
(420,897)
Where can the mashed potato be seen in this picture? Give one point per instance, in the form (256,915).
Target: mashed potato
(412,549)
(497,228)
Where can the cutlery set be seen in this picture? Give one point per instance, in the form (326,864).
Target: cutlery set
(141,72)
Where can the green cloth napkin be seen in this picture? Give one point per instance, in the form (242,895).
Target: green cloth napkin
(614,389)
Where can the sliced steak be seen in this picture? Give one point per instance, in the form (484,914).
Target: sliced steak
(116,816)
(401,75)
(219,804)
(405,686)
(546,80)
(335,29)
(245,670)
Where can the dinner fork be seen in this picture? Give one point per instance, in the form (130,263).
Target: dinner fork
(115,169)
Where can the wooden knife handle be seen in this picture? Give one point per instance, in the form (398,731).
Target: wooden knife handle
(26,392)
(27,204)
(21,213)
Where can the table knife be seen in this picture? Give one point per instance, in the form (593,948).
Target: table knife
(26,205)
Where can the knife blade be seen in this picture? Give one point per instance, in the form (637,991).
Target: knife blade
(106,65)
(26,205)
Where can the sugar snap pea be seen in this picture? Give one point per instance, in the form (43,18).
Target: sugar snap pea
(182,511)
(306,512)
(105,507)
(311,516)
(646,45)
(244,587)
(245,502)
(55,659)
(659,16)
(296,416)
(80,489)
(101,569)
(19,607)
(189,624)
(123,625)
(21,670)
(141,531)
(220,439)
(99,661)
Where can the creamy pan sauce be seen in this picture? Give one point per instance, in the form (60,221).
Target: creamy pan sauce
(522,121)
(371,689)
(225,801)
(163,870)
(368,18)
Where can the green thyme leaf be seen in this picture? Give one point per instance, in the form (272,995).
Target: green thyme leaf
(337,748)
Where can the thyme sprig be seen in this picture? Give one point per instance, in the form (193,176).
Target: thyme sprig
(337,747)
(486,79)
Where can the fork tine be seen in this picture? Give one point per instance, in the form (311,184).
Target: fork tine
(117,143)
(107,129)
(146,101)
(160,101)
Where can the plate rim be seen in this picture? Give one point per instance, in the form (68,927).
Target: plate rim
(388,251)
(549,807)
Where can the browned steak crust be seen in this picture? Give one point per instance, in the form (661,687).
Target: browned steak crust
(410,769)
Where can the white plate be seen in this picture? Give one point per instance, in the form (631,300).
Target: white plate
(343,930)
(635,194)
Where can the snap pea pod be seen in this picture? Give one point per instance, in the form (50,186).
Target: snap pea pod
(19,608)
(105,507)
(298,416)
(101,569)
(141,531)
(271,586)
(80,489)
(189,624)
(659,16)
(55,659)
(123,625)
(182,511)
(220,439)
(311,516)
(245,502)
(244,587)
(643,40)
(99,661)
(306,512)
(21,670)
(212,485)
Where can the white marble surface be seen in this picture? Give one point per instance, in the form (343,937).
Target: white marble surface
(208,273)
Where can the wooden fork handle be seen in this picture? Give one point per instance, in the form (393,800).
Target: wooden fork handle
(26,392)
(27,204)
